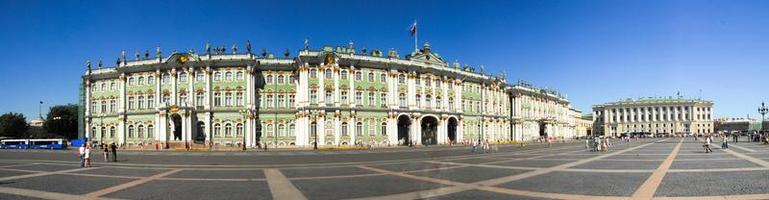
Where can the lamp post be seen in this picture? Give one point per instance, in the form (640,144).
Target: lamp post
(763,110)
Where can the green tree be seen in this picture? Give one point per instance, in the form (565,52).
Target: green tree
(62,120)
(13,125)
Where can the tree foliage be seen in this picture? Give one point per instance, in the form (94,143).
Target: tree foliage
(62,120)
(13,125)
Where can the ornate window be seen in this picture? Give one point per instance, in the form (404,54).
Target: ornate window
(239,99)
(228,76)
(239,76)
(281,101)
(200,76)
(217,129)
(269,101)
(371,99)
(141,131)
(150,131)
(344,128)
(268,79)
(358,75)
(217,99)
(383,77)
(419,101)
(239,129)
(112,105)
(344,74)
(130,131)
(228,130)
(183,99)
(281,79)
(199,98)
(131,81)
(130,103)
(313,96)
(438,103)
(228,99)
(328,74)
(112,132)
(291,79)
(217,76)
(282,130)
(329,97)
(401,79)
(112,86)
(166,78)
(103,106)
(182,77)
(313,73)
(383,128)
(344,97)
(103,132)
(291,130)
(359,129)
(358,98)
(150,101)
(140,102)
(383,99)
(402,99)
(270,132)
(370,77)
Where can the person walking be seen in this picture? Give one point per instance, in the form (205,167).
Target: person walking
(81,154)
(735,137)
(475,146)
(113,149)
(87,156)
(707,145)
(725,143)
(106,152)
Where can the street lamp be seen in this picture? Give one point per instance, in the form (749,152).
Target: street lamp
(763,110)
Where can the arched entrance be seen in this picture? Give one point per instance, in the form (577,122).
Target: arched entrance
(429,130)
(404,122)
(176,120)
(543,130)
(452,130)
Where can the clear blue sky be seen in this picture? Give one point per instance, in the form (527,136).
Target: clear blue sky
(593,51)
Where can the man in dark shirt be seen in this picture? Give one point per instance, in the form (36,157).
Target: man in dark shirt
(113,149)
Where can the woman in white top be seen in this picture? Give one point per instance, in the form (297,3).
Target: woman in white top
(87,156)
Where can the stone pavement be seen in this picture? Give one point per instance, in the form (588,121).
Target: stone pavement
(666,168)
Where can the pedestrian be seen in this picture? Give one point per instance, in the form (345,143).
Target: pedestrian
(587,144)
(87,156)
(735,137)
(106,152)
(475,146)
(606,144)
(81,154)
(707,145)
(725,144)
(113,149)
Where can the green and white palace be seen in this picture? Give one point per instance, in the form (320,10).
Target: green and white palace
(335,96)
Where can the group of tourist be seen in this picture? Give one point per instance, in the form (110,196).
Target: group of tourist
(85,153)
(598,144)
(484,146)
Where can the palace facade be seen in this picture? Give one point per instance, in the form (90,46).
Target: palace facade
(335,96)
(666,116)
